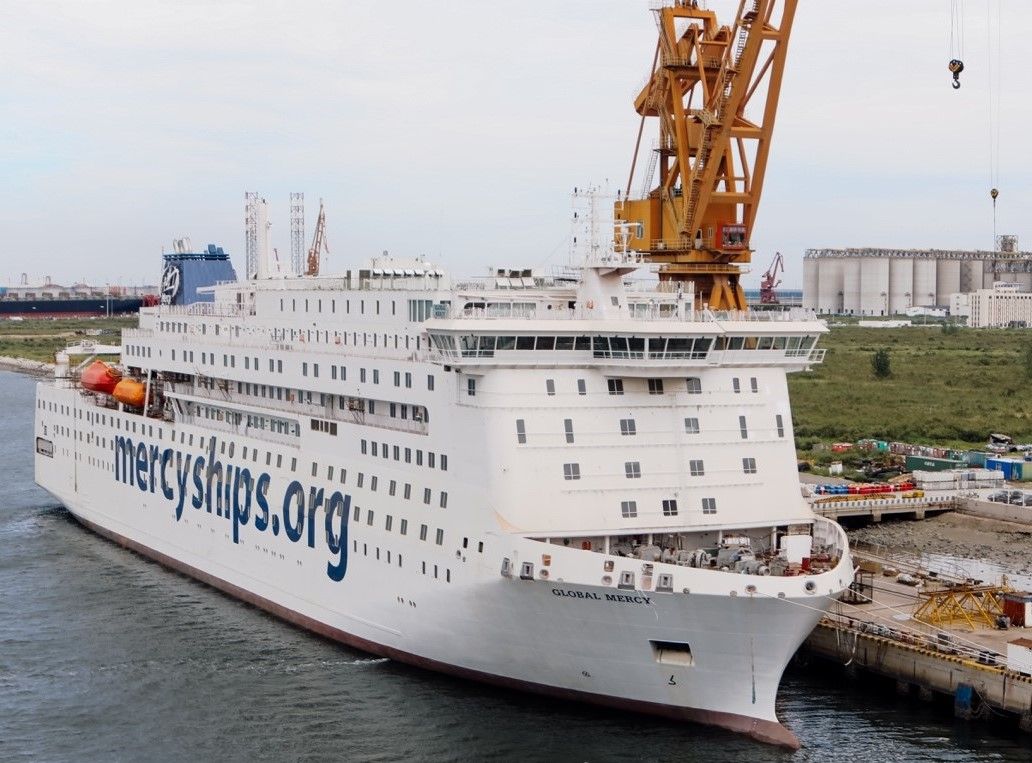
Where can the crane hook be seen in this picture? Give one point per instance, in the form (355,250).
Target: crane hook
(994,193)
(956,66)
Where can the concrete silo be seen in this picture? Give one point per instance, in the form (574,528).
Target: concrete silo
(971,275)
(901,284)
(947,280)
(924,281)
(874,286)
(829,285)
(811,279)
(851,285)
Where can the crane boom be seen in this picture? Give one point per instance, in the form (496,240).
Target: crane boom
(319,244)
(712,150)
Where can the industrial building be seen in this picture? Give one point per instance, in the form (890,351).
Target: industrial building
(889,281)
(1002,306)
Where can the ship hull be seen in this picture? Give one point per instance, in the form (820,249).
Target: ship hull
(69,308)
(567,641)
(762,730)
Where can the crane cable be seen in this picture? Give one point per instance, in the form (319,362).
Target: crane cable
(955,40)
(994,92)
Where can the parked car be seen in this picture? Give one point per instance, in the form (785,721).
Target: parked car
(999,497)
(1017,497)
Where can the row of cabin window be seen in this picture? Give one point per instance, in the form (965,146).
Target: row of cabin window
(419,309)
(395,410)
(616,386)
(629,509)
(402,525)
(341,373)
(341,338)
(628,427)
(276,366)
(632,469)
(372,447)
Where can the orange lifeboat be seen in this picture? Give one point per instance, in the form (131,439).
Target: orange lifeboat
(130,392)
(100,377)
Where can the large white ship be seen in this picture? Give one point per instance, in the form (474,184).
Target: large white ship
(581,486)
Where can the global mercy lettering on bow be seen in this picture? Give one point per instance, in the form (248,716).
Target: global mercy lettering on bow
(618,597)
(231,490)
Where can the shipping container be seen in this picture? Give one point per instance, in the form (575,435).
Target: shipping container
(1013,469)
(1017,605)
(929,464)
(975,458)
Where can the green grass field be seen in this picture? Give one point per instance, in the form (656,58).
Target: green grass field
(39,339)
(948,389)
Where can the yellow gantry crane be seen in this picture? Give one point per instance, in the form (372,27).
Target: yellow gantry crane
(712,148)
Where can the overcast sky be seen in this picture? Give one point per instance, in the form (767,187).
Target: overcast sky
(458,129)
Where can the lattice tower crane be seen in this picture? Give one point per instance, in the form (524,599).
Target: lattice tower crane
(319,244)
(712,149)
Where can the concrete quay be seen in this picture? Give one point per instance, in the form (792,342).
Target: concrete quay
(967,664)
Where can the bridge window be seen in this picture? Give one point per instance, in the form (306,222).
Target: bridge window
(582,388)
(709,505)
(615,386)
(571,471)
(633,470)
(696,467)
(568,426)
(781,425)
(655,386)
(694,384)
(669,507)
(749,465)
(628,509)
(521,432)
(736,385)
(743,428)
(627,427)
(754,384)
(691,426)
(550,386)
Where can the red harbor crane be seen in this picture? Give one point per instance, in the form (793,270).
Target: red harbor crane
(318,243)
(770,281)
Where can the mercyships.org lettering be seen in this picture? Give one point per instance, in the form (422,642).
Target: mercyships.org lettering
(233,490)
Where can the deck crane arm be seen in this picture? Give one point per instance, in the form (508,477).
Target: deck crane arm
(712,150)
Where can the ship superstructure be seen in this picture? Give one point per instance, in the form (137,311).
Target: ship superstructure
(576,484)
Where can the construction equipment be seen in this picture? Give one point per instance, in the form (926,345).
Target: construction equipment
(770,281)
(319,244)
(712,149)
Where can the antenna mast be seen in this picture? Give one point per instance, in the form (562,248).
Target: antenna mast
(297,232)
(251,233)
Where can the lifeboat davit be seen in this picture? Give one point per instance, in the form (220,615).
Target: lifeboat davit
(130,392)
(100,377)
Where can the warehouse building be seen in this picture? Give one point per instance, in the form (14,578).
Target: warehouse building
(875,282)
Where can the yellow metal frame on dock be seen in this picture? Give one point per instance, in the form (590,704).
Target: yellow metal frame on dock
(975,606)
